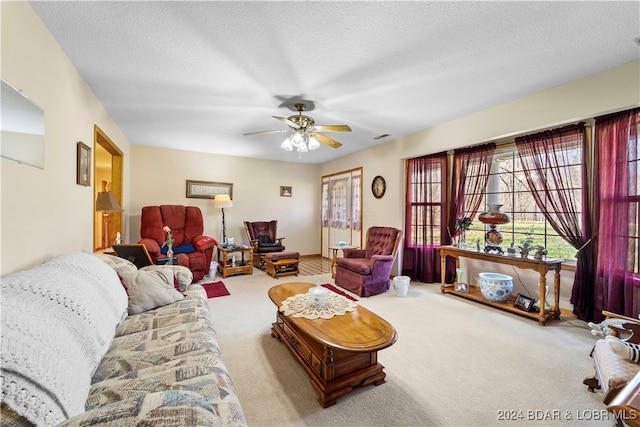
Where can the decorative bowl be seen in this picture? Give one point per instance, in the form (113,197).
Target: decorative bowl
(495,287)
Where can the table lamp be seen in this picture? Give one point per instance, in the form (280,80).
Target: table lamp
(106,203)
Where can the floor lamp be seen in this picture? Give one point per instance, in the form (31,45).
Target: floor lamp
(223,201)
(106,203)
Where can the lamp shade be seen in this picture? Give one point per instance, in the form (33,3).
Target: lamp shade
(222,201)
(107,202)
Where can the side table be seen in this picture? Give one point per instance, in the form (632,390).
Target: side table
(335,249)
(242,266)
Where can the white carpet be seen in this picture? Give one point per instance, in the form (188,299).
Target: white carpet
(455,363)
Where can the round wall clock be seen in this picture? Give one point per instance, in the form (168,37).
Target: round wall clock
(378,187)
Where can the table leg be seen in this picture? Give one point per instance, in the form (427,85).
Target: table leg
(333,263)
(543,292)
(556,292)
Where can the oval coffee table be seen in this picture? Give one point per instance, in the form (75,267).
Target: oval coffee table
(340,353)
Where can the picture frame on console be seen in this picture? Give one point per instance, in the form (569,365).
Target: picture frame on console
(523,302)
(83,162)
(208,189)
(461,287)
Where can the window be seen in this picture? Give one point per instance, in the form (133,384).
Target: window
(507,186)
(426,188)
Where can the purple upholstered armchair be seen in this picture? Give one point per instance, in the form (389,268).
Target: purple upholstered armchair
(366,272)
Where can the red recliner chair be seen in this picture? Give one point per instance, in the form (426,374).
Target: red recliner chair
(192,249)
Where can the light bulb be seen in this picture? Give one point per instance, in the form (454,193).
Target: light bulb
(313,143)
(286,145)
(297,138)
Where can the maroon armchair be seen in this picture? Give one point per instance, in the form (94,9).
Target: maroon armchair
(366,272)
(263,238)
(192,249)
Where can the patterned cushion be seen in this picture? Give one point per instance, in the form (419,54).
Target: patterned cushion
(161,409)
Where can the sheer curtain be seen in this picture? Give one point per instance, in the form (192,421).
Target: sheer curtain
(424,217)
(549,164)
(471,167)
(617,278)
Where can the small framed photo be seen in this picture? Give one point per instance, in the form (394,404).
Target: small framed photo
(83,160)
(208,189)
(461,287)
(285,191)
(523,302)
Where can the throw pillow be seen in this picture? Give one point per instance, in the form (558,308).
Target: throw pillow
(118,264)
(149,289)
(624,349)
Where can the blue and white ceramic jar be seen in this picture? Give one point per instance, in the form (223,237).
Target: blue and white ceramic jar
(495,287)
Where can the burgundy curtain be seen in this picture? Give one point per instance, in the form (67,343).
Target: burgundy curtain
(424,217)
(617,280)
(545,159)
(471,167)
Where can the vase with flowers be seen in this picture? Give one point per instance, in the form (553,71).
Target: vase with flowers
(462,225)
(168,243)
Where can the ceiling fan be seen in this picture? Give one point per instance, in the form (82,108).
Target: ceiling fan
(305,133)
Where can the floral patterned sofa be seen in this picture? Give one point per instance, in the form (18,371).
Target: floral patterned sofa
(72,354)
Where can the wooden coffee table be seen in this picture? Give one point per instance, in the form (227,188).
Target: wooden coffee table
(340,353)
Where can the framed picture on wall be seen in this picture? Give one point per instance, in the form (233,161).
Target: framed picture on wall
(285,191)
(83,160)
(208,189)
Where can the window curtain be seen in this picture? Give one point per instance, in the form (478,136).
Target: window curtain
(324,210)
(426,192)
(617,281)
(545,157)
(471,167)
(339,209)
(356,218)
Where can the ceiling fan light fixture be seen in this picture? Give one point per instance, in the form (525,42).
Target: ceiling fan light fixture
(286,145)
(297,138)
(302,148)
(313,143)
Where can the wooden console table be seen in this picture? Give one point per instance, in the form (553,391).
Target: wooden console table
(340,353)
(541,266)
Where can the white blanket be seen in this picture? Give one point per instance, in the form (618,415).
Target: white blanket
(58,320)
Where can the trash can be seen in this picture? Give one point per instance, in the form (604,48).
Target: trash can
(401,285)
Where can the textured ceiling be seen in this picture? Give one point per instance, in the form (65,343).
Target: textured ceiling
(197,75)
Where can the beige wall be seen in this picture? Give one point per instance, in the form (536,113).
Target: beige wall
(158,176)
(44,213)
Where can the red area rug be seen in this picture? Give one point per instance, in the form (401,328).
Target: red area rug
(339,292)
(215,289)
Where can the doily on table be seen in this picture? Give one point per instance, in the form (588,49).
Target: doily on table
(301,305)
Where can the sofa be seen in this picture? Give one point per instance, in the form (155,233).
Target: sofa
(89,339)
(615,360)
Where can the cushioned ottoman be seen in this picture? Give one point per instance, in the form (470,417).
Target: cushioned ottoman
(283,263)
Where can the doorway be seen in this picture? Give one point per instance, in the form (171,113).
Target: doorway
(108,161)
(341,204)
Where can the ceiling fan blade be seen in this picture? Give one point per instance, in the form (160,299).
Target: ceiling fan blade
(332,128)
(326,140)
(287,121)
(267,131)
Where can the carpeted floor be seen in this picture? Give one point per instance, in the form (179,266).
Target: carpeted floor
(456,363)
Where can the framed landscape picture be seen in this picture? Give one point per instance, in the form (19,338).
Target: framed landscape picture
(208,189)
